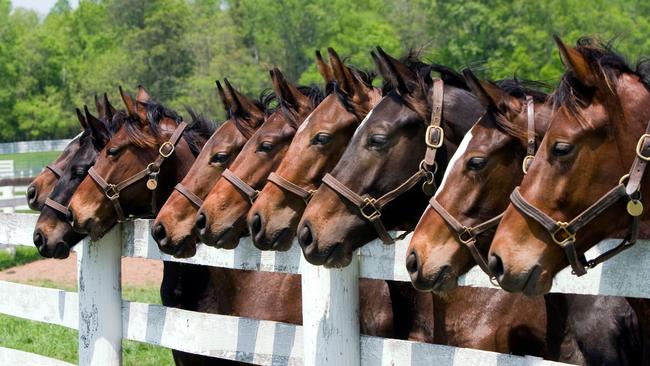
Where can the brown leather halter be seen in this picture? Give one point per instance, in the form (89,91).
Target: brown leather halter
(55,170)
(50,202)
(370,207)
(564,233)
(288,186)
(112,191)
(243,187)
(194,199)
(467,235)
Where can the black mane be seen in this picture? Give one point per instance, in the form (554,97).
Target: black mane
(450,76)
(199,129)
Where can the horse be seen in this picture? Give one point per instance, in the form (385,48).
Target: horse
(53,235)
(492,159)
(375,164)
(221,220)
(317,146)
(174,224)
(41,186)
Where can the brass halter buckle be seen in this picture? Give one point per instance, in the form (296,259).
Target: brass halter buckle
(527,161)
(465,236)
(441,136)
(563,229)
(168,145)
(111,192)
(253,196)
(370,205)
(639,147)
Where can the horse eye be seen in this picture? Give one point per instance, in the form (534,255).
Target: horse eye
(377,140)
(321,139)
(219,158)
(112,151)
(476,163)
(562,148)
(265,146)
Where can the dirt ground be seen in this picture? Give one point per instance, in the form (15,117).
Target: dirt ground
(136,272)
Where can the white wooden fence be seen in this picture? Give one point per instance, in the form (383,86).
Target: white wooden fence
(330,331)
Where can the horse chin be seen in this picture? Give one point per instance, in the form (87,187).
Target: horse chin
(338,258)
(539,282)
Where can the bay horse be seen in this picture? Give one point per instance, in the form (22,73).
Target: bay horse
(173,228)
(221,220)
(41,186)
(316,147)
(374,164)
(489,164)
(53,235)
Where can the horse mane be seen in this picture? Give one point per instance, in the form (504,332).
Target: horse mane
(200,128)
(450,76)
(267,102)
(414,63)
(315,95)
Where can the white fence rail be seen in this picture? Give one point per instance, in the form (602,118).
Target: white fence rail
(329,335)
(33,146)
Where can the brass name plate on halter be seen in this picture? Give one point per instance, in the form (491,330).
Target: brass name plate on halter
(634,207)
(152,184)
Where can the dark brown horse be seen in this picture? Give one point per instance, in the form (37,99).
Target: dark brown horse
(314,151)
(53,235)
(173,228)
(221,220)
(41,187)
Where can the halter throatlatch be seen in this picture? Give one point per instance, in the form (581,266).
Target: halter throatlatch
(370,207)
(112,191)
(564,233)
(467,235)
(243,187)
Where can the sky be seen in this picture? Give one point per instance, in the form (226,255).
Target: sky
(41,6)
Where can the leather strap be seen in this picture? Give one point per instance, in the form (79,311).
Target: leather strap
(530,136)
(196,200)
(56,206)
(281,182)
(435,135)
(112,191)
(243,187)
(55,170)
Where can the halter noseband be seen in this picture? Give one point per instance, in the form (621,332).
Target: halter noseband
(243,187)
(194,199)
(112,191)
(288,186)
(467,235)
(55,170)
(370,207)
(564,233)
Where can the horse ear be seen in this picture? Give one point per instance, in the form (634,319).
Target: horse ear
(141,102)
(101,111)
(225,99)
(397,73)
(242,106)
(129,103)
(348,80)
(323,68)
(98,129)
(488,94)
(82,120)
(287,93)
(108,107)
(576,62)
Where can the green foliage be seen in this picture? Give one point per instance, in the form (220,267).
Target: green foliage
(178,48)
(22,255)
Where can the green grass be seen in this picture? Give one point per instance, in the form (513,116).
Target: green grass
(23,255)
(33,160)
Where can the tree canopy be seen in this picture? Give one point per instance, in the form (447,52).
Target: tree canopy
(50,64)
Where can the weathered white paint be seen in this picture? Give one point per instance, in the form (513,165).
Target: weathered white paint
(17,229)
(100,300)
(330,317)
(233,338)
(10,356)
(40,304)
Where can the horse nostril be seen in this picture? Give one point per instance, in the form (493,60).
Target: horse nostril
(201,221)
(39,240)
(31,193)
(305,238)
(158,233)
(412,263)
(496,266)
(69,216)
(256,225)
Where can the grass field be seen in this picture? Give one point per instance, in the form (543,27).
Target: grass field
(22,256)
(61,343)
(31,161)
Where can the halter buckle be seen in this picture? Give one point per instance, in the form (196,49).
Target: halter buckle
(169,146)
(441,136)
(311,194)
(111,192)
(253,196)
(526,163)
(370,204)
(562,227)
(465,236)
(639,147)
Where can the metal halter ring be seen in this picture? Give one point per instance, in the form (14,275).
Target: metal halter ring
(562,227)
(441,137)
(111,192)
(465,236)
(425,170)
(152,165)
(525,163)
(639,146)
(169,145)
(370,203)
(253,196)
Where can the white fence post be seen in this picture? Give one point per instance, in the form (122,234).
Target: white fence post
(100,301)
(330,315)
